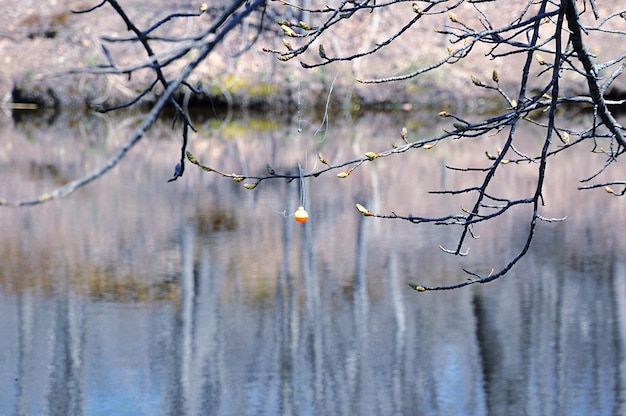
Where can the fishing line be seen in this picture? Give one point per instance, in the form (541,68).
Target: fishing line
(302,189)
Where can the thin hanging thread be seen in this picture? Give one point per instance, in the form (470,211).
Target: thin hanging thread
(323,126)
(298,108)
(302,190)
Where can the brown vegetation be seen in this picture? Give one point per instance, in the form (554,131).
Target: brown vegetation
(43,40)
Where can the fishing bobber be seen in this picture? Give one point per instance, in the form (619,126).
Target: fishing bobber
(301,215)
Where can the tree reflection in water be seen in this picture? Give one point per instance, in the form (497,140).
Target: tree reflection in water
(139,297)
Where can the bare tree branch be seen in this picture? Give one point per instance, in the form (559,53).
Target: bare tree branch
(543,44)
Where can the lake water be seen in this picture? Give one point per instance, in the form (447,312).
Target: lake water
(135,296)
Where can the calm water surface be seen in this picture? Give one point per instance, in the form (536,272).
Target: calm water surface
(198,297)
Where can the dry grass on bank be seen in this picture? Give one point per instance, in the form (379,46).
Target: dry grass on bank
(40,40)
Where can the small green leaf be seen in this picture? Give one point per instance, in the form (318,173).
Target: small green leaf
(494,76)
(191,157)
(459,126)
(98,108)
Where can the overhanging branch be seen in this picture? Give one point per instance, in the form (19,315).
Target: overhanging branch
(591,73)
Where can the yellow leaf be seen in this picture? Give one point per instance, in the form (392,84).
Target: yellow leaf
(366,212)
(371,155)
(344,174)
(417,287)
(237,178)
(288,31)
(429,146)
(539,59)
(249,186)
(321,158)
(609,189)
